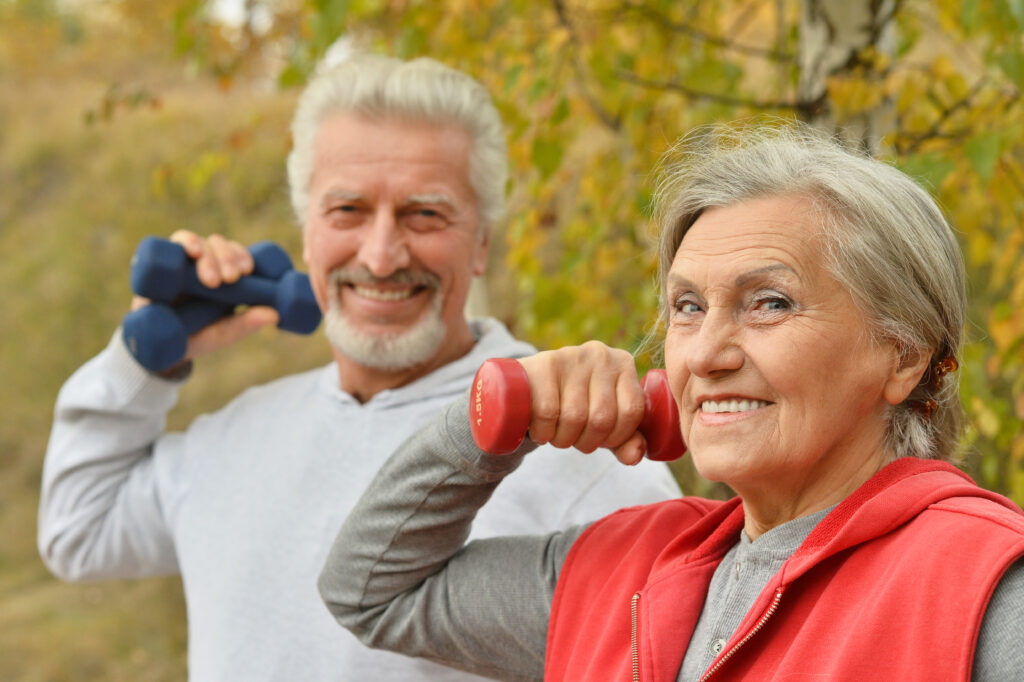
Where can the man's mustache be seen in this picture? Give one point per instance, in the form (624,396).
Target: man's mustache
(404,277)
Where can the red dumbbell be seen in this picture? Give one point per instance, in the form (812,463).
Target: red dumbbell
(499,412)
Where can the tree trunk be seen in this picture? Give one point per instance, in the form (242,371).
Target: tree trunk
(834,35)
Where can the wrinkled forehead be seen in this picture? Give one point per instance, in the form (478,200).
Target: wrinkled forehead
(755,233)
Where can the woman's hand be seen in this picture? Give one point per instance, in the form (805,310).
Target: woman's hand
(586,397)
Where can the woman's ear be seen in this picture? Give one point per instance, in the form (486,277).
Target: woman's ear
(910,367)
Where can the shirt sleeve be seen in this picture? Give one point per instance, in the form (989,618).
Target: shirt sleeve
(102,511)
(400,578)
(1000,654)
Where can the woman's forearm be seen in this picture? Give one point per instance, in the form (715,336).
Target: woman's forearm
(399,577)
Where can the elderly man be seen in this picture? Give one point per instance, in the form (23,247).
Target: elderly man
(397,176)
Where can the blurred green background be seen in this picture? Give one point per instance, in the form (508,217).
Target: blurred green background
(122,118)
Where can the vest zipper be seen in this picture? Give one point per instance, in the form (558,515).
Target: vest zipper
(634,646)
(757,626)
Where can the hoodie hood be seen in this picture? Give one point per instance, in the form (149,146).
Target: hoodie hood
(898,493)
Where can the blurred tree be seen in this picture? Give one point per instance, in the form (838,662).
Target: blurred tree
(595,92)
(104,137)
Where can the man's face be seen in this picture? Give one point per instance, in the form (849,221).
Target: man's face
(391,239)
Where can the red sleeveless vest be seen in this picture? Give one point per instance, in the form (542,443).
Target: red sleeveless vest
(891,585)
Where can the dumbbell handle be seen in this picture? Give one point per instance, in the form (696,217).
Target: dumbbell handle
(162,271)
(247,290)
(499,411)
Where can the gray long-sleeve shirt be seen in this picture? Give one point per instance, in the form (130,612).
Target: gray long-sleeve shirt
(400,577)
(245,502)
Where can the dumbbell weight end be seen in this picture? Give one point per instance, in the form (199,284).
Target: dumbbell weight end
(156,335)
(499,409)
(660,424)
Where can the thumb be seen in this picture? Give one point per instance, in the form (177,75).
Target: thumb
(230,330)
(632,451)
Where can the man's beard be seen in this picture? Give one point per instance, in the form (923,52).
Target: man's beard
(393,352)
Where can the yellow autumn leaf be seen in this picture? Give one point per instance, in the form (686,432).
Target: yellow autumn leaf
(984,418)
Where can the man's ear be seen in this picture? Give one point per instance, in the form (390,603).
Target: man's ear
(305,246)
(483,245)
(909,369)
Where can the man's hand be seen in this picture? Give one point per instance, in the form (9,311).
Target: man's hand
(218,261)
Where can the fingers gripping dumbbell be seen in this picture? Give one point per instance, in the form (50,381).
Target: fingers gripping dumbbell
(499,411)
(157,334)
(162,271)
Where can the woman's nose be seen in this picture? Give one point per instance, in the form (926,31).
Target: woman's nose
(714,350)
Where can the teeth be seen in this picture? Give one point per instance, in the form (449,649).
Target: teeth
(715,406)
(383,294)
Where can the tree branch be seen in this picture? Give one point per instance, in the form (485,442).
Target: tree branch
(879,25)
(1011,173)
(722,98)
(935,130)
(693,32)
(613,121)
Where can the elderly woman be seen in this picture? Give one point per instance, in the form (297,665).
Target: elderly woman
(814,304)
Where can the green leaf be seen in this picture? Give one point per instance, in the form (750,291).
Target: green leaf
(1012,64)
(411,42)
(712,75)
(561,111)
(969,14)
(512,77)
(1016,10)
(327,23)
(983,152)
(930,169)
(644,203)
(546,156)
(291,76)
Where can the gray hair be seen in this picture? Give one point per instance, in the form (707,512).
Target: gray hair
(420,90)
(886,242)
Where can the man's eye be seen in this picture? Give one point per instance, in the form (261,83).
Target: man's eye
(425,220)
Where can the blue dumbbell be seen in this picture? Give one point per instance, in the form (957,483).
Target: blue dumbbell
(157,334)
(162,271)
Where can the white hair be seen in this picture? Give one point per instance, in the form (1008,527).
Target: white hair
(887,243)
(419,90)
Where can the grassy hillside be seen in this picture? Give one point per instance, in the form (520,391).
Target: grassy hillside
(75,198)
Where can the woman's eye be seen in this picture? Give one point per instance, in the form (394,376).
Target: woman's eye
(772,304)
(687,306)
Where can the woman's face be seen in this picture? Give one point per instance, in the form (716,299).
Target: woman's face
(780,387)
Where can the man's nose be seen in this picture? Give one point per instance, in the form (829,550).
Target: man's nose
(384,249)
